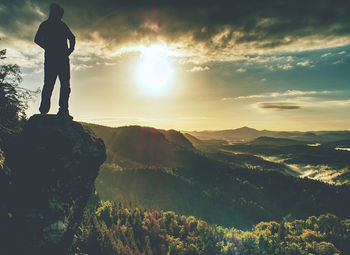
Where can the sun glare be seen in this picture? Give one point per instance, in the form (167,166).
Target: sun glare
(155,69)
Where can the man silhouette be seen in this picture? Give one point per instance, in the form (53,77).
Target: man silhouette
(52,36)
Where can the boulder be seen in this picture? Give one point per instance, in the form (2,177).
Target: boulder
(54,163)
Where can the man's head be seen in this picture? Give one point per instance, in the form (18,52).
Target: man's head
(56,12)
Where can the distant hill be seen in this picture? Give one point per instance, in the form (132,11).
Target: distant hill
(160,169)
(192,139)
(264,140)
(324,161)
(247,134)
(173,136)
(177,138)
(239,134)
(296,152)
(211,145)
(144,145)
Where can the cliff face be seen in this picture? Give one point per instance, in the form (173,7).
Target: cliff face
(53,165)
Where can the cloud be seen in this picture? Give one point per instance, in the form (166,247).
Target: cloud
(303,103)
(30,59)
(203,31)
(18,19)
(80,67)
(288,93)
(326,55)
(335,103)
(199,69)
(304,63)
(277,106)
(286,66)
(241,70)
(268,59)
(340,61)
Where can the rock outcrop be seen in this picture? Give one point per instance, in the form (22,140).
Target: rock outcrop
(53,165)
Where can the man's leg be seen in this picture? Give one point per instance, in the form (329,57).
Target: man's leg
(64,76)
(50,75)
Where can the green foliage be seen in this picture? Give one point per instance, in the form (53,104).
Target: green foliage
(104,212)
(222,195)
(114,229)
(13,98)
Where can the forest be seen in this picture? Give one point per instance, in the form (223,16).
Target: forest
(111,228)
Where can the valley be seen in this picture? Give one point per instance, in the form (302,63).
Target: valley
(230,184)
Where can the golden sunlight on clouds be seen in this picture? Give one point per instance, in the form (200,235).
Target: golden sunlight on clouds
(186,50)
(194,66)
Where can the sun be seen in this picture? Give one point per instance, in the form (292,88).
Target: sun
(155,69)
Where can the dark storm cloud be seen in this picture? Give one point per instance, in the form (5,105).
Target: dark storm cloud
(216,24)
(279,106)
(17,19)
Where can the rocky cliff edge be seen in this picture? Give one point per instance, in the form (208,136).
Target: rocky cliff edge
(48,176)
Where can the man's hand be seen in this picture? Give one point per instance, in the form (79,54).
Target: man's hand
(70,50)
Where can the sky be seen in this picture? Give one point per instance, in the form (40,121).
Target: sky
(195,65)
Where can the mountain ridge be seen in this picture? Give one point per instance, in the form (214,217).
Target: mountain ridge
(246,134)
(216,187)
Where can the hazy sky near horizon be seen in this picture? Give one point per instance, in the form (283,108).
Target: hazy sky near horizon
(273,64)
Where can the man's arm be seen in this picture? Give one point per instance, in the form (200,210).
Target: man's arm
(39,38)
(71,39)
